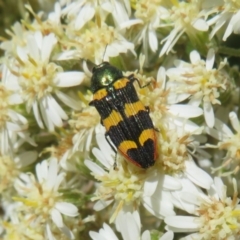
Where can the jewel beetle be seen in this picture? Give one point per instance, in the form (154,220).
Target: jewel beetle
(127,121)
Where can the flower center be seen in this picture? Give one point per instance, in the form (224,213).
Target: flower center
(145,10)
(173,152)
(36,79)
(218,219)
(120,185)
(183,13)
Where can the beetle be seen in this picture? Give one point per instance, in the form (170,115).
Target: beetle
(127,121)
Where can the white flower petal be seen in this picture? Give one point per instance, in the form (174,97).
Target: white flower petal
(13,127)
(153,41)
(69,101)
(69,79)
(208,114)
(107,152)
(185,111)
(96,169)
(67,209)
(16,117)
(96,236)
(173,98)
(223,128)
(67,232)
(172,38)
(42,171)
(101,204)
(159,207)
(183,223)
(229,30)
(48,233)
(128,226)
(22,53)
(52,173)
(195,57)
(171,183)
(150,185)
(200,25)
(167,236)
(37,114)
(26,158)
(56,108)
(218,25)
(33,50)
(57,218)
(128,24)
(38,39)
(178,197)
(146,235)
(52,116)
(161,76)
(234,121)
(105,233)
(59,180)
(47,46)
(85,14)
(220,188)
(197,175)
(45,116)
(210,59)
(15,99)
(102,159)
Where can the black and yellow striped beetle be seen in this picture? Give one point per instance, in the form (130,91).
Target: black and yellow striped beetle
(126,119)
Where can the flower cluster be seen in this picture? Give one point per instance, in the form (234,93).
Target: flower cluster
(69,141)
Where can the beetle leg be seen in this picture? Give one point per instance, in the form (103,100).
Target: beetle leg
(132,79)
(113,148)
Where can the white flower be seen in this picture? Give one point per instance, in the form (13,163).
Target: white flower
(147,20)
(228,141)
(42,203)
(200,81)
(11,167)
(18,37)
(79,12)
(39,79)
(175,158)
(129,225)
(87,34)
(126,185)
(78,141)
(12,124)
(186,17)
(217,216)
(228,16)
(95,43)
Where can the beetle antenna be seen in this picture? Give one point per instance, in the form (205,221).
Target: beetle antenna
(104,53)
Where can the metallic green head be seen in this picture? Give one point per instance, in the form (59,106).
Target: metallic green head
(104,75)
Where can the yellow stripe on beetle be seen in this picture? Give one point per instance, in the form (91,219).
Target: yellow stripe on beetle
(112,120)
(126,145)
(132,109)
(145,135)
(100,94)
(121,83)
